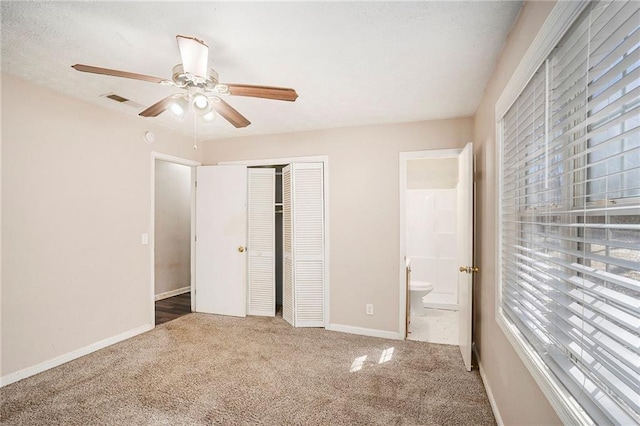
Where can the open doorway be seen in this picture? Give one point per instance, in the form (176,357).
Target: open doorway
(172,242)
(431,249)
(436,246)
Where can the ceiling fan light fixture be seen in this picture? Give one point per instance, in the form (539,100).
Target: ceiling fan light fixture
(179,106)
(200,102)
(203,90)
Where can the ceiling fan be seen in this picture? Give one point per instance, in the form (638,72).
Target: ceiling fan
(201,83)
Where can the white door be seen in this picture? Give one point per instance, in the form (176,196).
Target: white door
(287,243)
(303,222)
(221,235)
(465,251)
(261,275)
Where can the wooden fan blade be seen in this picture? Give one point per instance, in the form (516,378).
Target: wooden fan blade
(158,108)
(117,73)
(229,113)
(266,92)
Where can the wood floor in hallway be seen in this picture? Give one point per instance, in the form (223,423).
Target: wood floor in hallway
(173,307)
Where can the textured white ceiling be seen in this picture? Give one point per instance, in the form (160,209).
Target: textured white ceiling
(352,63)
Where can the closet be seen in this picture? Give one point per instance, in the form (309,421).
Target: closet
(285,242)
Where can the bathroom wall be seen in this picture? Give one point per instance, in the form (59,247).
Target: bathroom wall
(431,242)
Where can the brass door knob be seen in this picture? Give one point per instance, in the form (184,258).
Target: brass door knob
(469,269)
(241,249)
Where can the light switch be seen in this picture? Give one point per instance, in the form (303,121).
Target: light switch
(145,239)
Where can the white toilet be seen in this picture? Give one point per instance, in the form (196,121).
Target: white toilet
(418,290)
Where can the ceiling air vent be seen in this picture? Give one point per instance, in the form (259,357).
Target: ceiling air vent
(117,98)
(121,100)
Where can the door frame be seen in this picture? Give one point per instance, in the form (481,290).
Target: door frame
(152,227)
(324,159)
(404,157)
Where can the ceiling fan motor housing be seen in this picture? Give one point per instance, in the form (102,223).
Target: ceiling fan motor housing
(184,79)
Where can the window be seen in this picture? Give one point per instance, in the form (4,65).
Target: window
(570,216)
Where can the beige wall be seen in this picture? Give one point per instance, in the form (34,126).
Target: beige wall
(172,226)
(76,188)
(518,398)
(363,204)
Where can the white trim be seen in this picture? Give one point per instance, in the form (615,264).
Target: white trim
(498,218)
(152,225)
(308,159)
(171,293)
(365,331)
(555,26)
(173,159)
(487,388)
(70,356)
(193,239)
(567,408)
(279,161)
(403,157)
(445,306)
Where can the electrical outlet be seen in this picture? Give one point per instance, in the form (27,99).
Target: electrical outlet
(369,309)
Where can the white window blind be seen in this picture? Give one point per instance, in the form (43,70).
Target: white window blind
(570,214)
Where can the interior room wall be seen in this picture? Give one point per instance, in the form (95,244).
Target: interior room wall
(172,227)
(76,188)
(518,398)
(363,204)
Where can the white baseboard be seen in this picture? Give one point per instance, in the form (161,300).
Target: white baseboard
(172,293)
(492,401)
(70,356)
(364,331)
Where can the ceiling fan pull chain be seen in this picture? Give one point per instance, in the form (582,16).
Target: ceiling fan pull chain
(195,136)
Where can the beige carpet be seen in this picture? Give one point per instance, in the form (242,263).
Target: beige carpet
(205,369)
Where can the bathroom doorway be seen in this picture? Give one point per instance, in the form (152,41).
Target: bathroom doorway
(435,242)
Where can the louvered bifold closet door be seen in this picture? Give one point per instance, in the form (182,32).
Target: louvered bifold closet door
(571,212)
(303,223)
(287,242)
(308,243)
(261,242)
